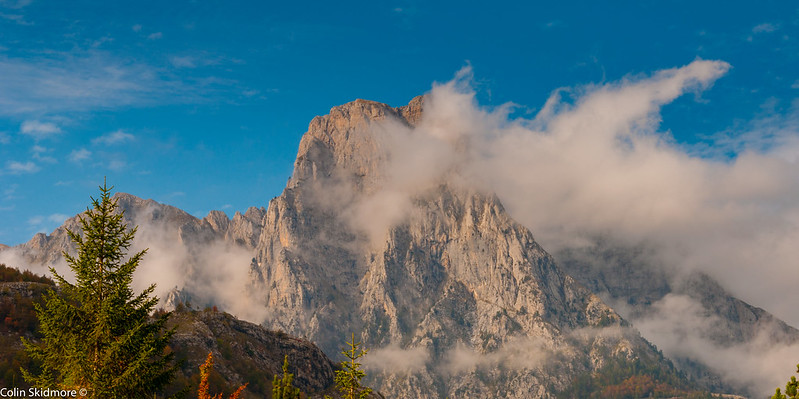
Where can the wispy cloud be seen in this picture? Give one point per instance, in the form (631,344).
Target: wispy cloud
(765,28)
(4,138)
(201,59)
(61,82)
(58,218)
(117,164)
(19,19)
(115,137)
(552,24)
(39,130)
(10,191)
(16,168)
(44,224)
(155,36)
(40,154)
(183,61)
(15,4)
(80,154)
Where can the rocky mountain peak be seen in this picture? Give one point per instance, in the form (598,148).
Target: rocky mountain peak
(343,143)
(218,221)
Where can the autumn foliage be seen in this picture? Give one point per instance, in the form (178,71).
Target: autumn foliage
(205,372)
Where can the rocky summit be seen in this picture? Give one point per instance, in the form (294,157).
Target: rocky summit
(451,295)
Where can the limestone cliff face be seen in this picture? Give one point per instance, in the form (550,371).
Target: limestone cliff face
(455,285)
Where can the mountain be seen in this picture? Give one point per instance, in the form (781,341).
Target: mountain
(707,315)
(452,296)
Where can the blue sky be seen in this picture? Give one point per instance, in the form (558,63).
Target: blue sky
(201,105)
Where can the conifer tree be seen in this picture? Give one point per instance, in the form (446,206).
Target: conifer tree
(348,380)
(98,336)
(791,389)
(282,388)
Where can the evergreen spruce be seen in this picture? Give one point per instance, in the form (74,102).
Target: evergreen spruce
(97,333)
(348,380)
(791,389)
(282,388)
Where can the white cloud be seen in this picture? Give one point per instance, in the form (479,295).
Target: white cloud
(600,166)
(79,155)
(76,81)
(4,138)
(597,165)
(136,28)
(39,130)
(117,164)
(115,137)
(155,36)
(516,354)
(36,220)
(395,360)
(681,328)
(9,191)
(183,61)
(765,28)
(16,168)
(39,154)
(58,218)
(19,19)
(15,4)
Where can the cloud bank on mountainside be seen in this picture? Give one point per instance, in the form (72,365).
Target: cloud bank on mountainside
(599,165)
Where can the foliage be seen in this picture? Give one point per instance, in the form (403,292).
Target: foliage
(348,380)
(12,274)
(205,373)
(12,358)
(232,347)
(282,388)
(97,333)
(628,379)
(18,319)
(790,389)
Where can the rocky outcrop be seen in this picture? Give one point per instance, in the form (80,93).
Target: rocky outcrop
(247,353)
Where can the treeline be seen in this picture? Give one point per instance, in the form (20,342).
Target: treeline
(18,319)
(621,378)
(11,274)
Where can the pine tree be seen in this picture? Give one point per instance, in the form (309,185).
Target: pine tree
(282,388)
(348,380)
(98,336)
(791,389)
